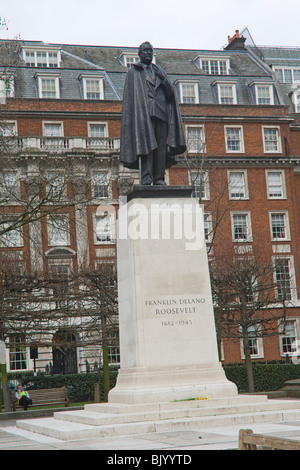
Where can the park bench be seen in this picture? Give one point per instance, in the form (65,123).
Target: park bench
(44,397)
(250,441)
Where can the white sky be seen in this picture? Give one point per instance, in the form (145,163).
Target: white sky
(187,24)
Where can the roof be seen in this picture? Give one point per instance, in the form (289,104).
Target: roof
(179,64)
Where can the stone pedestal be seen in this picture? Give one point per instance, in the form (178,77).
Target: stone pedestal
(167,332)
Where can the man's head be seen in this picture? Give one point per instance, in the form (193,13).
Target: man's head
(146,53)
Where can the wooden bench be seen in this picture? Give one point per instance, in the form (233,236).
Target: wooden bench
(250,441)
(43,397)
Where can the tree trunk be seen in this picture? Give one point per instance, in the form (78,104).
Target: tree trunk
(106,382)
(248,363)
(7,405)
(219,345)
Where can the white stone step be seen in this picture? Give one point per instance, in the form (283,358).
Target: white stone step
(95,417)
(89,424)
(122,408)
(69,431)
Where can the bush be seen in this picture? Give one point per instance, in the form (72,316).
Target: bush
(267,377)
(80,386)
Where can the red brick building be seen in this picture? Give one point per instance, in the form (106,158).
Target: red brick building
(61,114)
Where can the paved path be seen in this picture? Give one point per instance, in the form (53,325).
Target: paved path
(220,438)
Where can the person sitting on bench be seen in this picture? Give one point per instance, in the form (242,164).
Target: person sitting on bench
(23,397)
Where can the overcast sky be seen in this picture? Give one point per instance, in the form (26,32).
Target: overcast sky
(187,24)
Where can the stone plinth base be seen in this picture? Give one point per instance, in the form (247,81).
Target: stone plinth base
(168,342)
(159,385)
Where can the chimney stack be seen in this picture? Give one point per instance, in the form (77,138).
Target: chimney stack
(236,41)
(237,35)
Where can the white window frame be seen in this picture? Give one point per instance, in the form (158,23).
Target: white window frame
(287,234)
(204,175)
(290,70)
(229,85)
(258,99)
(241,136)
(84,78)
(270,89)
(9,189)
(12,238)
(194,85)
(245,185)
(259,344)
(282,184)
(247,216)
(127,59)
(35,50)
(292,277)
(200,146)
(58,124)
(50,224)
(111,231)
(130,60)
(105,186)
(296,100)
(6,126)
(56,185)
(279,146)
(199,61)
(100,124)
(7,86)
(47,76)
(13,349)
(292,344)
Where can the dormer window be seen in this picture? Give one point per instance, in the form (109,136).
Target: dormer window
(127,59)
(188,91)
(6,86)
(295,97)
(92,86)
(287,74)
(213,65)
(41,57)
(263,93)
(225,92)
(48,85)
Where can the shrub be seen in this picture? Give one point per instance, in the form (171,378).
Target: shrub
(267,377)
(80,386)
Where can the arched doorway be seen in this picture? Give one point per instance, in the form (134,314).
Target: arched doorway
(64,353)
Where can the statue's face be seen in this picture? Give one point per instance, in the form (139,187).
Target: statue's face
(146,54)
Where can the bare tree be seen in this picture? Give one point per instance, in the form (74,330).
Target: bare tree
(34,306)
(208,179)
(246,305)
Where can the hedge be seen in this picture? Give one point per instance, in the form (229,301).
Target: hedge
(267,377)
(80,386)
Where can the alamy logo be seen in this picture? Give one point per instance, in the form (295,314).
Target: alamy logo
(162,221)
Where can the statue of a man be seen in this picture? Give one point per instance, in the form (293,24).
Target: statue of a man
(152,133)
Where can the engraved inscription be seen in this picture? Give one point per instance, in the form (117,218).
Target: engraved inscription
(174,311)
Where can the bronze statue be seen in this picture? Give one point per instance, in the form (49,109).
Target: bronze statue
(152,132)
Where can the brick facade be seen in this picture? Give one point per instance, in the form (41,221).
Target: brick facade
(75,158)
